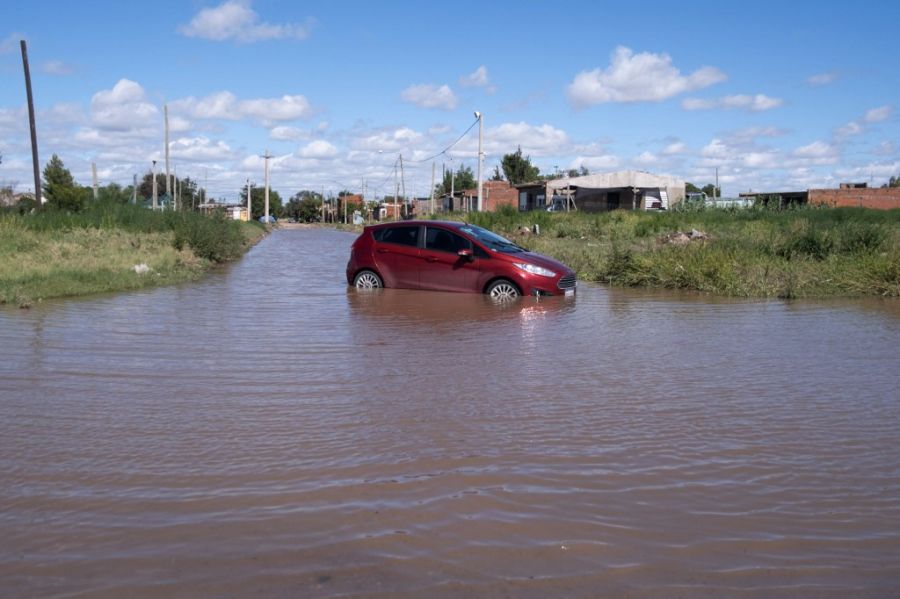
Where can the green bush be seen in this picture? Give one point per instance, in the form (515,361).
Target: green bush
(214,238)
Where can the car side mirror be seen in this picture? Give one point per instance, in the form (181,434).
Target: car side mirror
(466,253)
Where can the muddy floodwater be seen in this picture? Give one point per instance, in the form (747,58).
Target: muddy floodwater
(269,432)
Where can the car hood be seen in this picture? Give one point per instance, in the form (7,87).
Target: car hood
(540,260)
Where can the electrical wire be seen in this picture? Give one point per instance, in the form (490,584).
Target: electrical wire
(444,151)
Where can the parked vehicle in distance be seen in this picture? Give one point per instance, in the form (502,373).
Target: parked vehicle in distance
(271,219)
(452,256)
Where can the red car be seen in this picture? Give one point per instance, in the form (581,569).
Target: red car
(452,256)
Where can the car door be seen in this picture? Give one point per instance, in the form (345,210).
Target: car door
(397,255)
(442,268)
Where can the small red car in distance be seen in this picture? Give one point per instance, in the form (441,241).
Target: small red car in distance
(452,256)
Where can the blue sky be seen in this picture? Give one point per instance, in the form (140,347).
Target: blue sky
(776,95)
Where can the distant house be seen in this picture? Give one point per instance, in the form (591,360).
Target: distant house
(858,195)
(494,194)
(628,190)
(233,212)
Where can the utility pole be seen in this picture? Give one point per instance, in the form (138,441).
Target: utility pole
(175,188)
(168,182)
(155,191)
(134,189)
(452,190)
(249,213)
(34,147)
(716,188)
(266,156)
(402,181)
(480,118)
(94,178)
(432,187)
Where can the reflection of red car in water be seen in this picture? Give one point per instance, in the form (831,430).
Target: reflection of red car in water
(452,256)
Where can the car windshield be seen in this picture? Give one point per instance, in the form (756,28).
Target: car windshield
(492,240)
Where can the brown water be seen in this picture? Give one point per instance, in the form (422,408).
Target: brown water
(270,432)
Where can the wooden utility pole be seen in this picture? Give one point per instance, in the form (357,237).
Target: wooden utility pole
(168,182)
(34,147)
(267,156)
(155,190)
(432,187)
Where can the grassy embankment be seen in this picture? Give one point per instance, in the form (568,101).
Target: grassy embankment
(812,252)
(57,254)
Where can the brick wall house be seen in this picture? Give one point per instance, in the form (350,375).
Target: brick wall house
(883,198)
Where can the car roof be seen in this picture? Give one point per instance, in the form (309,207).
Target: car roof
(406,223)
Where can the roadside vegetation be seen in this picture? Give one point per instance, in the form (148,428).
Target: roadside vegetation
(109,246)
(756,252)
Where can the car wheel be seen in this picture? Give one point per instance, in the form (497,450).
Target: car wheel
(366,279)
(502,290)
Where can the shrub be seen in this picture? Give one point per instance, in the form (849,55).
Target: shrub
(213,238)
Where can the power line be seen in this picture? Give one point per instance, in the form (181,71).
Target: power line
(444,151)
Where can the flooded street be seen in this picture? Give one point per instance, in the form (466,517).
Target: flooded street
(270,431)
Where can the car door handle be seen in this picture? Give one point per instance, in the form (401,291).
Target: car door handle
(430,259)
(383,251)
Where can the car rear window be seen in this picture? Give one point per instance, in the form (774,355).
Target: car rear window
(399,235)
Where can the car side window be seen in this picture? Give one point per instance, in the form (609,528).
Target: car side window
(442,240)
(399,235)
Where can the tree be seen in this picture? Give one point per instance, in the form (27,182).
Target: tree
(60,188)
(464,178)
(518,169)
(114,193)
(691,188)
(712,191)
(893,182)
(304,206)
(258,201)
(497,176)
(56,178)
(582,171)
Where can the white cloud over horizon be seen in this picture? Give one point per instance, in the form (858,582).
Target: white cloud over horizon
(429,95)
(750,103)
(643,77)
(235,20)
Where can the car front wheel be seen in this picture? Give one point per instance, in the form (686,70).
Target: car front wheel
(366,279)
(503,290)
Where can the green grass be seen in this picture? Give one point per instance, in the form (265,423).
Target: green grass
(58,254)
(812,252)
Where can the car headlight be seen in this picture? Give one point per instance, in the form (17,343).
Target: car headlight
(535,270)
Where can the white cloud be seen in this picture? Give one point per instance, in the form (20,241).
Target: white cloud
(848,130)
(319,149)
(284,133)
(388,140)
(540,140)
(57,67)
(644,77)
(750,103)
(427,95)
(675,148)
(200,149)
(285,108)
(646,159)
(236,20)
(478,78)
(822,78)
(123,108)
(816,149)
(877,115)
(224,105)
(885,148)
